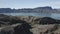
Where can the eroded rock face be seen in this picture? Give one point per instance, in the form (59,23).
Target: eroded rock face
(30,19)
(39,20)
(23,29)
(48,20)
(8,31)
(10,20)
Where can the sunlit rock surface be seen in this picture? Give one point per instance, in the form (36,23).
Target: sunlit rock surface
(28,25)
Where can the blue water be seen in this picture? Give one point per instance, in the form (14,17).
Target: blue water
(53,15)
(27,14)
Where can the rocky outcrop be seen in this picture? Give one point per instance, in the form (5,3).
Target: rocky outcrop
(23,29)
(48,20)
(29,25)
(9,29)
(39,20)
(30,19)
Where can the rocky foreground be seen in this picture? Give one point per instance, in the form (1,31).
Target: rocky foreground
(28,25)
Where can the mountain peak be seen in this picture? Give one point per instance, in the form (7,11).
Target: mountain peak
(46,7)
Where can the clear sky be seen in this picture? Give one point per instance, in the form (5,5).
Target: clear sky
(29,3)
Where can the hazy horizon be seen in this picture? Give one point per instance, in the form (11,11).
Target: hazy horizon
(18,4)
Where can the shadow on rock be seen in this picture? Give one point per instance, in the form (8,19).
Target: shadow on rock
(48,20)
(23,29)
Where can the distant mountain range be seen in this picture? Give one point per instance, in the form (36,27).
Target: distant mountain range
(46,9)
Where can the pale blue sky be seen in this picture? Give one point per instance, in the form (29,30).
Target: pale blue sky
(29,3)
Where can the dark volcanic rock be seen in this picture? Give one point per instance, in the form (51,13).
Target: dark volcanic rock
(10,19)
(48,20)
(23,29)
